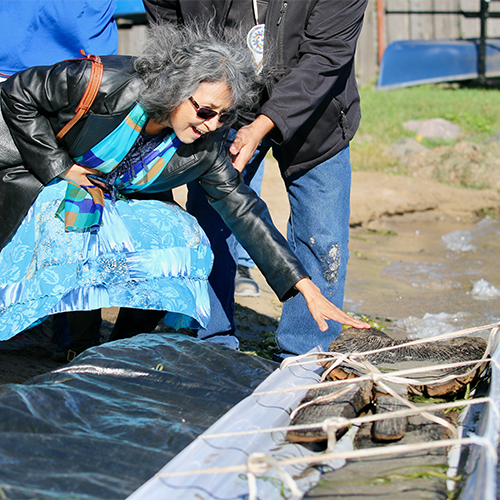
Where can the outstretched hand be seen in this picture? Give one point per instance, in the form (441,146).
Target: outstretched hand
(322,309)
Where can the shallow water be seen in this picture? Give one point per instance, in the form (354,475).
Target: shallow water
(422,276)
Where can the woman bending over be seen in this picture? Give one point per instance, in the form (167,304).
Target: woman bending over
(89,222)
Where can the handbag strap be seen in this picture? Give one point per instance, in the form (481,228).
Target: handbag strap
(89,94)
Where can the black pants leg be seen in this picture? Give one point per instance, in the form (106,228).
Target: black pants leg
(85,328)
(131,322)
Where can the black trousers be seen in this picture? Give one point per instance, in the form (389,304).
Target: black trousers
(131,322)
(85,326)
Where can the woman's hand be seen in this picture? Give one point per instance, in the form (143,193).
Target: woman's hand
(322,309)
(78,175)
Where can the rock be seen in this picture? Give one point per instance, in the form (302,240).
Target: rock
(435,128)
(493,138)
(404,147)
(463,163)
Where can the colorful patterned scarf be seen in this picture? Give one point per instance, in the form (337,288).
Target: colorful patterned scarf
(81,210)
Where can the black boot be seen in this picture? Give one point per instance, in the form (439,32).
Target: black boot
(131,322)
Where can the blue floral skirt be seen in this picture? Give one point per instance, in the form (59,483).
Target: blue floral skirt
(146,255)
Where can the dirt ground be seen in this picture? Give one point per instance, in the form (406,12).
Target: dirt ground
(376,198)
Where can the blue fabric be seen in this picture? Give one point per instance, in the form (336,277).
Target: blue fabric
(146,255)
(318,232)
(225,248)
(42,32)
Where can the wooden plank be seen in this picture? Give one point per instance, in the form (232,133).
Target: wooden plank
(446,26)
(493,28)
(366,59)
(391,429)
(337,401)
(494,24)
(469,27)
(421,25)
(130,40)
(397,25)
(405,474)
(426,355)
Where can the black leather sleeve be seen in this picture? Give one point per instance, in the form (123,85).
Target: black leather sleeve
(29,100)
(248,218)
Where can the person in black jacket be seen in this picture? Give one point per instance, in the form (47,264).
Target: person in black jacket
(309,112)
(83,221)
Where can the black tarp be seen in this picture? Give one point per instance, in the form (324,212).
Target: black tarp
(101,426)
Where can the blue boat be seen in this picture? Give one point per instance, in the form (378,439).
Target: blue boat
(415,62)
(132,10)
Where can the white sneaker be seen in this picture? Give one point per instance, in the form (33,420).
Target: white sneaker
(244,284)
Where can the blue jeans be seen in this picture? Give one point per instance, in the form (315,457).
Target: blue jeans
(318,232)
(252,178)
(225,247)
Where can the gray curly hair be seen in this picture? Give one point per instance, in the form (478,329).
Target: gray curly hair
(176,60)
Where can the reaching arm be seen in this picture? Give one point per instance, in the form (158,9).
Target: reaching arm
(248,218)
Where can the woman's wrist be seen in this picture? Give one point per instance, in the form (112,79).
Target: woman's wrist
(306,286)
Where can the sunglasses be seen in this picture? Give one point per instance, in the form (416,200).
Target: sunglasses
(207,113)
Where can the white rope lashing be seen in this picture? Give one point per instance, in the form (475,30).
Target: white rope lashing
(261,463)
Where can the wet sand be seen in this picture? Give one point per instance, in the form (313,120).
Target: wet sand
(399,265)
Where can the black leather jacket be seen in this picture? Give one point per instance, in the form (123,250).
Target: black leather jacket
(36,103)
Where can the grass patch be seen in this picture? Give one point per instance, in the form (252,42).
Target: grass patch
(474,110)
(263,346)
(384,112)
